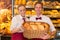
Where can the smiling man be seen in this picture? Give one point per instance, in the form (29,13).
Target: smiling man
(42,18)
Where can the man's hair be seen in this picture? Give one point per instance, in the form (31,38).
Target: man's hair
(38,3)
(21,5)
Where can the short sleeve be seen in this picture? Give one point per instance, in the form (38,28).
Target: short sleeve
(13,23)
(16,23)
(52,28)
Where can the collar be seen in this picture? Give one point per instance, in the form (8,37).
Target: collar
(21,16)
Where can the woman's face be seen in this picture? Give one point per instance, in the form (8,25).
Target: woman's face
(22,10)
(38,8)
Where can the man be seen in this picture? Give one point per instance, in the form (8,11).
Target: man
(16,26)
(41,18)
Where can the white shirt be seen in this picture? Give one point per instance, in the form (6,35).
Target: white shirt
(17,21)
(44,19)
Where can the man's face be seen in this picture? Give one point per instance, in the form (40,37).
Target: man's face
(38,8)
(22,10)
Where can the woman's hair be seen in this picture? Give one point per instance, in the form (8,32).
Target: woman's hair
(38,3)
(21,5)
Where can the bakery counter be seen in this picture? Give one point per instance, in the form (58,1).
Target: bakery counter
(5,37)
(8,37)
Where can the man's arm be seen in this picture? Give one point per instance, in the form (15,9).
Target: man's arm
(52,28)
(52,31)
(52,34)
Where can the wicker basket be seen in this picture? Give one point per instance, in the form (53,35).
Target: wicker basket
(35,29)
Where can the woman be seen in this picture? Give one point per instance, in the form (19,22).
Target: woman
(16,26)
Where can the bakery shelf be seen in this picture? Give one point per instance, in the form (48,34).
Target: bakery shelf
(56,17)
(29,8)
(57,25)
(46,8)
(55,7)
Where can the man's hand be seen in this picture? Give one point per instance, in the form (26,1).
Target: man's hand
(53,33)
(44,36)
